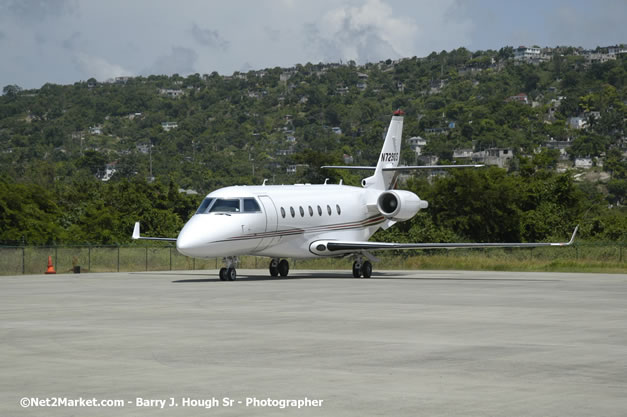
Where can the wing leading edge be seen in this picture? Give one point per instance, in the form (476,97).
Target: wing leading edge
(321,247)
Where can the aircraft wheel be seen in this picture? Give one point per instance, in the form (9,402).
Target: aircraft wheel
(231,274)
(366,269)
(222,274)
(356,270)
(274,269)
(284,267)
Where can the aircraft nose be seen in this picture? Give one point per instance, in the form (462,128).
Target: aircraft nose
(190,241)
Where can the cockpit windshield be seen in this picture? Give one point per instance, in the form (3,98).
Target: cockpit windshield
(223,205)
(228,205)
(204,206)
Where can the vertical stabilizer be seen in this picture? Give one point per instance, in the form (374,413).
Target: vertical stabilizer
(389,157)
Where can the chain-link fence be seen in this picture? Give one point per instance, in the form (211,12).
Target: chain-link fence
(16,260)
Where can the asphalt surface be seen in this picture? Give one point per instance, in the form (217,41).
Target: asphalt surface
(403,343)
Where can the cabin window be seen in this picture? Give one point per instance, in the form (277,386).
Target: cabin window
(204,206)
(292,211)
(329,209)
(251,206)
(339,210)
(310,212)
(302,212)
(319,211)
(282,212)
(223,205)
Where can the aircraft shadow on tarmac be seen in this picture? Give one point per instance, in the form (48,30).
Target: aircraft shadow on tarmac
(335,275)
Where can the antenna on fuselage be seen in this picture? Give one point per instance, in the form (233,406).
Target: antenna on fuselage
(264,181)
(325,181)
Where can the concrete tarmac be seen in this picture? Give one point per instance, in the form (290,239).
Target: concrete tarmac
(403,343)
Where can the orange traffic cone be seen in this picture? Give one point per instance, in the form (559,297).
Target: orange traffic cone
(50,269)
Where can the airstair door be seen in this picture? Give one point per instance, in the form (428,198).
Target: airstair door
(272,218)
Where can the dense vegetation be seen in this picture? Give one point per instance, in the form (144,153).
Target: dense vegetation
(244,128)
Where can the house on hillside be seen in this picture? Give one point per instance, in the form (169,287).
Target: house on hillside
(500,157)
(577,123)
(171,93)
(95,130)
(167,126)
(462,153)
(519,98)
(416,143)
(110,169)
(584,163)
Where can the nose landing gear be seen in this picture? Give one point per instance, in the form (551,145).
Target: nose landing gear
(229,273)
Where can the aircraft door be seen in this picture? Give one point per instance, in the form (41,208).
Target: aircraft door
(272,219)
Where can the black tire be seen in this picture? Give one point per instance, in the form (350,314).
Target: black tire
(366,269)
(231,274)
(222,274)
(284,268)
(274,270)
(356,270)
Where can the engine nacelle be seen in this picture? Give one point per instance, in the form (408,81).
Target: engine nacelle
(400,205)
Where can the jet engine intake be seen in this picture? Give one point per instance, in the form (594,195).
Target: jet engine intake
(400,205)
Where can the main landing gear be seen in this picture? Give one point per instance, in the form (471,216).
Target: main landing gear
(229,273)
(279,267)
(362,268)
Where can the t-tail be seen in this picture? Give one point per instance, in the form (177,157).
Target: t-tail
(387,169)
(389,157)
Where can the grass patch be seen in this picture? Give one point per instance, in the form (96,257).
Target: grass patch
(581,258)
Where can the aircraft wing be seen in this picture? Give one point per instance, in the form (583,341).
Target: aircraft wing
(346,246)
(136,235)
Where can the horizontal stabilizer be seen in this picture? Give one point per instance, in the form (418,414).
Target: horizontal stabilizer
(400,168)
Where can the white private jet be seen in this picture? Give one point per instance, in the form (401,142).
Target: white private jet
(311,221)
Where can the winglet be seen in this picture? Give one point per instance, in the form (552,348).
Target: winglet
(572,238)
(136,231)
(570,242)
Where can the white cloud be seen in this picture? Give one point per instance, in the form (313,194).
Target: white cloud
(179,61)
(362,33)
(99,68)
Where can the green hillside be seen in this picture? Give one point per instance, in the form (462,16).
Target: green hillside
(80,163)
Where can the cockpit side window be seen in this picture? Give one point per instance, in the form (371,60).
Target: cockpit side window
(250,205)
(223,205)
(204,206)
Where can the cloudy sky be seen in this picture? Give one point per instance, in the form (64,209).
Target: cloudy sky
(63,41)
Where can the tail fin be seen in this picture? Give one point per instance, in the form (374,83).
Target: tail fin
(389,157)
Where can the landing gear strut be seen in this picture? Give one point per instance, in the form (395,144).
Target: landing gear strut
(229,273)
(279,267)
(362,268)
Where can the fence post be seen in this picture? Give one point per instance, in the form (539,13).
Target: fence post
(576,252)
(56,256)
(621,253)
(170,258)
(118,258)
(146,258)
(193,264)
(88,258)
(23,260)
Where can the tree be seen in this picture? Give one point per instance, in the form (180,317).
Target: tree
(11,90)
